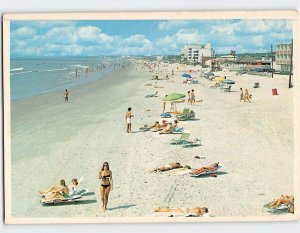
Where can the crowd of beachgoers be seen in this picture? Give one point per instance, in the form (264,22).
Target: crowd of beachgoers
(176,139)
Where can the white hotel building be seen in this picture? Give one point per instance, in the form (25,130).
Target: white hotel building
(283,56)
(195,52)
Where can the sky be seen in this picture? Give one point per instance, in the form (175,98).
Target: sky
(144,37)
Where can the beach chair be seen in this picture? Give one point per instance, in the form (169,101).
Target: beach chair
(283,208)
(226,89)
(178,130)
(186,116)
(67,200)
(183,139)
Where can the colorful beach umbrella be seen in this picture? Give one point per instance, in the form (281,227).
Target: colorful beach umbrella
(174,96)
(219,79)
(185,75)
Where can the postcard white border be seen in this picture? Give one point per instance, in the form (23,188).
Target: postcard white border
(191,15)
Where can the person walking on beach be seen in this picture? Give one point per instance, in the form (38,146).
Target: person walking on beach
(246,96)
(105,175)
(66,95)
(241,94)
(128,116)
(193,97)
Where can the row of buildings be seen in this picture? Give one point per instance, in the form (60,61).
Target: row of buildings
(205,55)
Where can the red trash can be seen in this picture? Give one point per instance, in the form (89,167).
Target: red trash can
(274,91)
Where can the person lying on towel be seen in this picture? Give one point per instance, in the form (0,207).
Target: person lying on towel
(198,211)
(167,167)
(212,167)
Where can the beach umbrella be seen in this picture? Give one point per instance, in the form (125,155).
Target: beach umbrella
(174,96)
(219,79)
(229,81)
(210,74)
(185,75)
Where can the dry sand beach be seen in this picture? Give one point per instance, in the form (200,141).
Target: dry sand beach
(53,140)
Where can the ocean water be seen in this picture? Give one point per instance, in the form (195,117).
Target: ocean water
(31,77)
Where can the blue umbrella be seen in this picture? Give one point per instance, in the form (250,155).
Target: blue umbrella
(186,75)
(228,81)
(210,74)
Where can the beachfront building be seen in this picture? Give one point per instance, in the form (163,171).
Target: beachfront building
(196,53)
(283,56)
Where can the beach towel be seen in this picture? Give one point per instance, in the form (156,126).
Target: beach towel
(206,172)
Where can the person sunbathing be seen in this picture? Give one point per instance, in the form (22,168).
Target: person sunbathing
(152,95)
(171,127)
(148,127)
(283,199)
(74,190)
(59,192)
(198,211)
(212,167)
(167,167)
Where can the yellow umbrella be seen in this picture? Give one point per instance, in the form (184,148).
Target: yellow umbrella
(219,79)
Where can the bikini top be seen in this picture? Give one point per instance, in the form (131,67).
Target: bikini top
(105,177)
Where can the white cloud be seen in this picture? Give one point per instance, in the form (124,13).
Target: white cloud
(258,40)
(24,32)
(188,35)
(167,25)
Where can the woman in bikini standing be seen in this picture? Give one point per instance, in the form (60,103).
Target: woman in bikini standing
(105,175)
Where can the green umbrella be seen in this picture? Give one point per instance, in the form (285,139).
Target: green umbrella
(174,96)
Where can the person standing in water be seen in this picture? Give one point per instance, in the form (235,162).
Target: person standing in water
(66,95)
(128,116)
(105,175)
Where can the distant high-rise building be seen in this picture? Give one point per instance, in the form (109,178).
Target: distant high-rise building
(283,56)
(194,53)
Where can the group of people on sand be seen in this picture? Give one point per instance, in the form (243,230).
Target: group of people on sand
(192,98)
(61,191)
(164,127)
(245,95)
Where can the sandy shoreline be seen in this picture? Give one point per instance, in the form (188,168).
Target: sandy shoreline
(254,142)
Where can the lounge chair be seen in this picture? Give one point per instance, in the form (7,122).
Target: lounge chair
(185,141)
(226,89)
(190,115)
(178,130)
(283,208)
(70,199)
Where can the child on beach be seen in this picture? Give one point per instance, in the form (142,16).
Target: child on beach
(128,116)
(66,95)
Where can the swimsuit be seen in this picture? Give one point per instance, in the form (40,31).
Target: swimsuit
(128,120)
(105,185)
